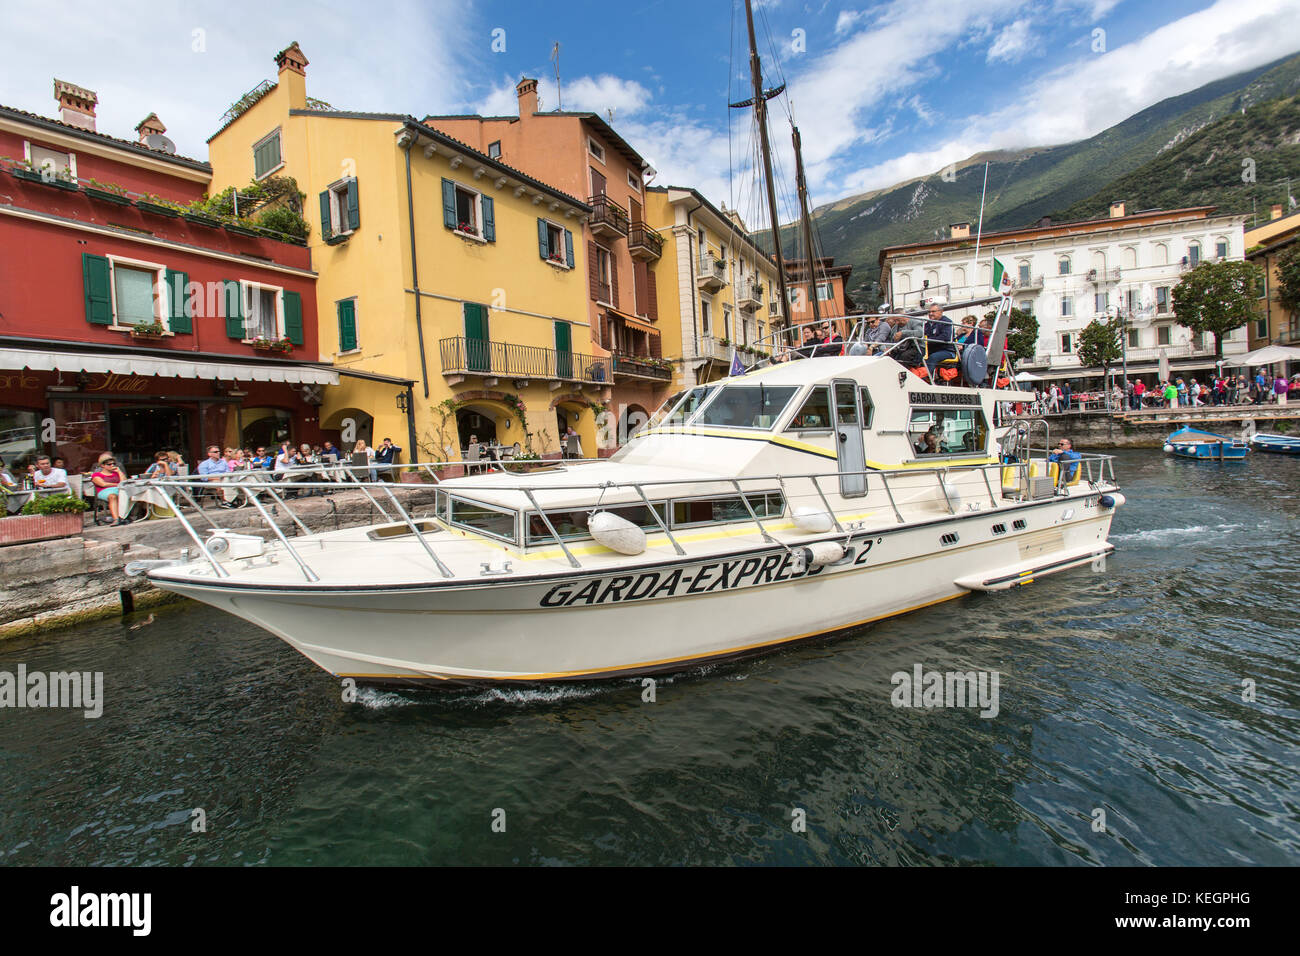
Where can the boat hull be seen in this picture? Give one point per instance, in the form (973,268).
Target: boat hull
(655,617)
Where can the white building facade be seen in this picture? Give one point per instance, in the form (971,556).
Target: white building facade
(1070,274)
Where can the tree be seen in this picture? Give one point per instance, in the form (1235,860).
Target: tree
(1217,297)
(1288,278)
(1022,333)
(1099,344)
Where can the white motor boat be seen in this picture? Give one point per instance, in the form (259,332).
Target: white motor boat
(787,503)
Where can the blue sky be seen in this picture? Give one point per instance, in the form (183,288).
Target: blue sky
(882,91)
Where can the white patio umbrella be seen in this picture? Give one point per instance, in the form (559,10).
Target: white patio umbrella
(1268,355)
(1028,377)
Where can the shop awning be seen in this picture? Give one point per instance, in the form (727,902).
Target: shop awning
(17,359)
(634,322)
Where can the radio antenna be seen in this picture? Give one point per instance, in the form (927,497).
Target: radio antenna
(555,55)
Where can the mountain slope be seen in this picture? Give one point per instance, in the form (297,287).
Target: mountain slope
(1024,186)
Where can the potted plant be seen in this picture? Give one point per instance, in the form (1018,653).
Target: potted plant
(272,345)
(467,228)
(107,192)
(557,257)
(151,330)
(43,518)
(157,206)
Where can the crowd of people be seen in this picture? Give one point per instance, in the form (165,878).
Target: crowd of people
(1135,394)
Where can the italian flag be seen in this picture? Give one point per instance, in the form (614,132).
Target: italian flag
(1001,278)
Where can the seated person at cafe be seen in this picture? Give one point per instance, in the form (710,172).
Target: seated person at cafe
(176,462)
(107,479)
(161,467)
(6,478)
(1066,454)
(47,477)
(330,453)
(261,459)
(214,464)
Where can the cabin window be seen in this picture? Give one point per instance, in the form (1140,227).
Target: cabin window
(748,406)
(573,524)
(947,431)
(689,405)
(698,511)
(815,412)
(493,522)
(868,410)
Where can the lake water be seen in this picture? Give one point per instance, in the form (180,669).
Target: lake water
(1121,692)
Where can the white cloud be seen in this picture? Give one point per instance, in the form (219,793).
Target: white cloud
(1012,43)
(847,20)
(584,94)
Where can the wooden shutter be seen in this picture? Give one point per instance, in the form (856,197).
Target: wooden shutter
(347,310)
(613,280)
(489,219)
(640,284)
(604,329)
(597,183)
(449,204)
(234,303)
(543,239)
(652,295)
(326,223)
(593,270)
(179,315)
(97,281)
(634,210)
(656,347)
(568,248)
(293,317)
(354,205)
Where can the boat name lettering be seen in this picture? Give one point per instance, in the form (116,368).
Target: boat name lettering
(718,576)
(943,398)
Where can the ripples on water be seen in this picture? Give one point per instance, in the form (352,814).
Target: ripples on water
(1121,691)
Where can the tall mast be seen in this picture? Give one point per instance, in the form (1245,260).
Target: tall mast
(760,115)
(805,222)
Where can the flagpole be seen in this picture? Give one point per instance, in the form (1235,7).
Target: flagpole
(980,228)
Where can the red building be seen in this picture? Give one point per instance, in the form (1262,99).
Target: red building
(127,323)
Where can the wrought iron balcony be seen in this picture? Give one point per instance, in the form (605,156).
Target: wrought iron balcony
(463,356)
(641,366)
(1098,276)
(1030,282)
(645,243)
(608,218)
(713,273)
(749,295)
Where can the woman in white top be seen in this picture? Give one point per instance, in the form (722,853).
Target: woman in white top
(364,449)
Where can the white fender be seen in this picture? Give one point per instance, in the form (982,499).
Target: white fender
(617,534)
(812,520)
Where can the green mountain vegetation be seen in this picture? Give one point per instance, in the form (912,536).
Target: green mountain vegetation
(1027,185)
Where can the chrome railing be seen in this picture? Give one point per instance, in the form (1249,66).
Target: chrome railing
(1097,470)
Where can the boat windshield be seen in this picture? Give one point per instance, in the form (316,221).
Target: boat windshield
(747,406)
(688,406)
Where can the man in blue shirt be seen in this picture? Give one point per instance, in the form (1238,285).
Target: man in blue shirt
(262,459)
(386,454)
(1066,454)
(214,464)
(938,333)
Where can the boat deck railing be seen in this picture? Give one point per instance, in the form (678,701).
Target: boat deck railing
(1002,481)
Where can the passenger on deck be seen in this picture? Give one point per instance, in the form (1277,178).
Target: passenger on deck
(1068,457)
(938,334)
(878,333)
(911,331)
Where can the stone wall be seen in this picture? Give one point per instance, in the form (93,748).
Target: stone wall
(1091,431)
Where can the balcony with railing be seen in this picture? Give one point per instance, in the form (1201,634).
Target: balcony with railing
(608,218)
(1027,283)
(1100,276)
(749,295)
(713,273)
(641,366)
(479,357)
(645,243)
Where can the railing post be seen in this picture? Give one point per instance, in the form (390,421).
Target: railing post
(308,573)
(884,480)
(551,528)
(662,527)
(816,483)
(752,513)
(446,571)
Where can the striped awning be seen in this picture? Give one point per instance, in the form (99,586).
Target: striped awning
(127,364)
(633,321)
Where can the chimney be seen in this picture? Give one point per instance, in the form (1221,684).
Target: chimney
(959,230)
(291,64)
(76,105)
(148,126)
(1275,212)
(527,92)
(1117,209)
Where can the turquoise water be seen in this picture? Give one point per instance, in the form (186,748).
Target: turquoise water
(1121,691)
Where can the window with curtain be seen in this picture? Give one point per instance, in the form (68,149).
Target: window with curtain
(133,289)
(263,318)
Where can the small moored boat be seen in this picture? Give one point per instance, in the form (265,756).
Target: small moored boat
(1204,446)
(1277,444)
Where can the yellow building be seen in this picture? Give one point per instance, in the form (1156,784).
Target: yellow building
(715,286)
(439,267)
(1265,245)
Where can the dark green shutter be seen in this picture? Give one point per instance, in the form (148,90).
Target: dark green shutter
(568,248)
(325,230)
(234,303)
(347,325)
(354,206)
(489,219)
(97,281)
(179,318)
(563,350)
(293,317)
(477,350)
(449,204)
(543,239)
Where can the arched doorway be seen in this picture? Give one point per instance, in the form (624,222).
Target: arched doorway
(266,427)
(476,423)
(633,418)
(351,425)
(575,413)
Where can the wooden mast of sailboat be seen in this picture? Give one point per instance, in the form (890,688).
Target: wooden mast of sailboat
(760,116)
(805,223)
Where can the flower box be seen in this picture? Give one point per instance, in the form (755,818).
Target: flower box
(241,230)
(266,345)
(106,195)
(201,220)
(156,209)
(337,238)
(147,332)
(31,175)
(466,229)
(22,529)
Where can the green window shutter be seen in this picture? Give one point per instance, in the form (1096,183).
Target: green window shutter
(266,156)
(325,230)
(449,204)
(543,240)
(489,219)
(347,325)
(234,302)
(98,286)
(568,248)
(293,317)
(179,318)
(354,206)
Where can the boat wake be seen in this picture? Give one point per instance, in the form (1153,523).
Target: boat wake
(1158,535)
